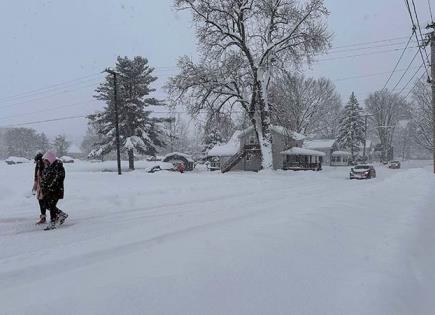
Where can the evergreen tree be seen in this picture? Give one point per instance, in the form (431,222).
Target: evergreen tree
(61,145)
(138,131)
(351,127)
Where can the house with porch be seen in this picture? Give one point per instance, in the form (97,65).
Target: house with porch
(327,146)
(243,152)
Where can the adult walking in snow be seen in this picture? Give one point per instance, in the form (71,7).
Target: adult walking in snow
(52,185)
(39,169)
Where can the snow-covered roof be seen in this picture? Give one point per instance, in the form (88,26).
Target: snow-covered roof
(227,149)
(302,151)
(16,159)
(186,156)
(341,153)
(278,129)
(319,144)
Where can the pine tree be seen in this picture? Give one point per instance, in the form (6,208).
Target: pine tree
(138,131)
(351,127)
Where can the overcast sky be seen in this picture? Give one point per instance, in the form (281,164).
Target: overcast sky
(52,52)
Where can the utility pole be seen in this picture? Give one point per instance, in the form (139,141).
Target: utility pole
(115,94)
(365,137)
(432,47)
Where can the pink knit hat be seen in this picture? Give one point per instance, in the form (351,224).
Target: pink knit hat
(50,156)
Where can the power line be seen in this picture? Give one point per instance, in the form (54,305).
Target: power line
(398,61)
(337,51)
(404,88)
(414,27)
(46,96)
(362,55)
(44,121)
(49,87)
(45,110)
(406,71)
(421,34)
(371,42)
(366,75)
(430,10)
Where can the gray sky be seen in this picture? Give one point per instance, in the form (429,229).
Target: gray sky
(45,43)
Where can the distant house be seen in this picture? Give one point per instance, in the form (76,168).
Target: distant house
(341,158)
(243,152)
(327,146)
(176,157)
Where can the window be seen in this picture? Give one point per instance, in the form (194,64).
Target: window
(252,140)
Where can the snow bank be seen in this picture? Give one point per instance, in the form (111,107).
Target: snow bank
(207,243)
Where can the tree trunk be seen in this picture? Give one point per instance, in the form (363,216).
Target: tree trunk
(131,160)
(263,125)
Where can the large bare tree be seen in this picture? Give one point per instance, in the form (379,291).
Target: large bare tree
(305,105)
(386,109)
(241,43)
(422,115)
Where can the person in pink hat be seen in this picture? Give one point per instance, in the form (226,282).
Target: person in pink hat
(52,186)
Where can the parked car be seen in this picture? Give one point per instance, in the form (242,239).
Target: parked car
(363,171)
(67,159)
(12,160)
(394,165)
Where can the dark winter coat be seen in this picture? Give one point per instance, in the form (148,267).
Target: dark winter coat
(39,170)
(52,181)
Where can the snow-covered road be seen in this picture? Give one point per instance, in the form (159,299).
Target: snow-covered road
(207,243)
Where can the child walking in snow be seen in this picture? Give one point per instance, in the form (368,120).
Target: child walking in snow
(52,185)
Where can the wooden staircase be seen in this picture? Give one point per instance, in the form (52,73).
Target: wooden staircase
(233,161)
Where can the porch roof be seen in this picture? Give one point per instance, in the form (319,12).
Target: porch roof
(341,153)
(303,152)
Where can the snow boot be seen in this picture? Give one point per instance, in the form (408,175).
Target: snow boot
(50,226)
(61,217)
(42,219)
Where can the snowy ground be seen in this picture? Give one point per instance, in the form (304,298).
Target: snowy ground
(207,243)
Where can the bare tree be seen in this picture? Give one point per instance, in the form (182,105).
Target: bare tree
(387,109)
(242,42)
(422,115)
(305,105)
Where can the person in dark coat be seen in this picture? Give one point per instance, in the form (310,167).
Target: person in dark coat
(52,185)
(39,169)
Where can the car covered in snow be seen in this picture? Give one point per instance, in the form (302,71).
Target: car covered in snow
(67,159)
(394,165)
(16,160)
(363,171)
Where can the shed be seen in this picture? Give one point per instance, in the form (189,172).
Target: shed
(176,157)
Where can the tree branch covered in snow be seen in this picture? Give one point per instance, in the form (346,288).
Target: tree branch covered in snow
(305,105)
